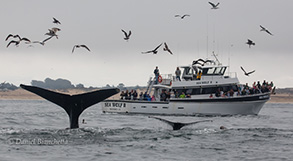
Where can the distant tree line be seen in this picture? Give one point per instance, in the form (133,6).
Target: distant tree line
(61,84)
(55,84)
(7,86)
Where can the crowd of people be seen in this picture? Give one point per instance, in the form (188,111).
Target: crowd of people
(133,95)
(256,88)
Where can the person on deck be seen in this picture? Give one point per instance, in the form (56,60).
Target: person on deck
(178,73)
(157,73)
(182,95)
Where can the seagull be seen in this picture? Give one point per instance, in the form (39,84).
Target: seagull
(43,42)
(247,74)
(13,41)
(17,42)
(78,46)
(56,21)
(264,29)
(166,48)
(250,42)
(214,6)
(203,62)
(179,125)
(152,51)
(17,36)
(53,31)
(14,36)
(182,16)
(126,35)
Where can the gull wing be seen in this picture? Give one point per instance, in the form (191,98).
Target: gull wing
(85,47)
(47,39)
(213,5)
(157,47)
(242,69)
(73,48)
(251,72)
(8,37)
(124,32)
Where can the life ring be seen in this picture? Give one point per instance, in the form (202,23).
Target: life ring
(170,83)
(160,79)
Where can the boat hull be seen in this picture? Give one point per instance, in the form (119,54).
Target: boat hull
(242,105)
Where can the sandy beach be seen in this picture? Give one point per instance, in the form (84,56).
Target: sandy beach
(21,94)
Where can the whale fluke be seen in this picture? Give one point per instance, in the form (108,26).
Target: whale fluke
(179,125)
(74,105)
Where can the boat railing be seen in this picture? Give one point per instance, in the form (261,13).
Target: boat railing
(167,79)
(230,75)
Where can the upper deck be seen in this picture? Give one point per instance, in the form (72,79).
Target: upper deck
(212,74)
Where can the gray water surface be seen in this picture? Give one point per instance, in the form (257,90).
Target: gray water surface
(37,130)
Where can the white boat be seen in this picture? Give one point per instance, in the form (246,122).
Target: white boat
(214,78)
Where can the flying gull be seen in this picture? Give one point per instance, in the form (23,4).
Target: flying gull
(264,29)
(127,36)
(17,42)
(214,6)
(79,46)
(179,125)
(13,41)
(182,16)
(14,36)
(203,62)
(53,31)
(247,74)
(17,36)
(155,51)
(166,48)
(250,42)
(56,21)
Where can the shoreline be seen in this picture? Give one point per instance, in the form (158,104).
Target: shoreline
(21,94)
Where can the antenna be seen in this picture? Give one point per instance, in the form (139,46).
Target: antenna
(216,58)
(207,35)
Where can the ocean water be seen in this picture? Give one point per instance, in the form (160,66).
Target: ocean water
(37,130)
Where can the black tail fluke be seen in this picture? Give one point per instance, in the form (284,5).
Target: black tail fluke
(74,105)
(179,125)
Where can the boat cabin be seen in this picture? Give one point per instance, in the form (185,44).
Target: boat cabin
(190,72)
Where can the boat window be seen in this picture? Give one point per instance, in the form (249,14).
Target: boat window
(228,88)
(143,106)
(218,70)
(209,90)
(195,91)
(208,71)
(180,107)
(155,107)
(189,91)
(187,71)
(223,70)
(165,107)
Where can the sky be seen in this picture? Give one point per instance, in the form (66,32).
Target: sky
(112,60)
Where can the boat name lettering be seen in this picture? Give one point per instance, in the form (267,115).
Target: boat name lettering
(115,104)
(204,82)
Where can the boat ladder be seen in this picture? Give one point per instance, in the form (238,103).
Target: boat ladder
(150,85)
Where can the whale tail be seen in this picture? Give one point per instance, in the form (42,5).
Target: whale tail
(74,105)
(179,125)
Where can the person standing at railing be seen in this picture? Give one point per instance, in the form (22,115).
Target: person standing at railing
(157,73)
(178,73)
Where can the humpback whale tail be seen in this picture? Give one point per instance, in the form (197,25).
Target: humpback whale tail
(179,125)
(74,105)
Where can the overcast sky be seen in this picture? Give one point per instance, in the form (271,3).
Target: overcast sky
(112,60)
